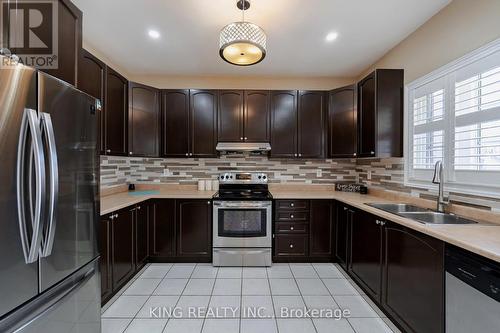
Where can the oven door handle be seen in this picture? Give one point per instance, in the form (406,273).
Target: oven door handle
(242,204)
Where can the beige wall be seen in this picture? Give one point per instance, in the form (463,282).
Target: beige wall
(235,82)
(460,27)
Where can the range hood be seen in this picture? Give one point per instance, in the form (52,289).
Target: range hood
(243,146)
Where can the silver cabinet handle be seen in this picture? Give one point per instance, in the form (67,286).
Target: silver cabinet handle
(48,131)
(295,155)
(246,138)
(138,207)
(300,155)
(130,153)
(354,154)
(345,208)
(30,245)
(292,204)
(241,139)
(291,228)
(108,150)
(291,216)
(187,154)
(372,152)
(208,202)
(116,215)
(190,154)
(291,246)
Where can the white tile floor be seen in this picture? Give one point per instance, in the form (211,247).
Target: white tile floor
(207,299)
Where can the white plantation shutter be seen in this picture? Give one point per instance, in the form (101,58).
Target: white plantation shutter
(453,115)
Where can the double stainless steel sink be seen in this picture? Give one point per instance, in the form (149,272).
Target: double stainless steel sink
(421,215)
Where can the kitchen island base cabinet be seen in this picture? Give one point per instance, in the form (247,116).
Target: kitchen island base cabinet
(413,275)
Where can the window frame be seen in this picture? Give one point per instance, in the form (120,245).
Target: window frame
(422,178)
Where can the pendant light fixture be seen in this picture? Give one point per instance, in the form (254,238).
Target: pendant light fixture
(242,43)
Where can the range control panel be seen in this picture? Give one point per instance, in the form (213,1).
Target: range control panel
(243,178)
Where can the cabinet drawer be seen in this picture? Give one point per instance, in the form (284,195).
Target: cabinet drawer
(292,204)
(291,216)
(292,228)
(291,245)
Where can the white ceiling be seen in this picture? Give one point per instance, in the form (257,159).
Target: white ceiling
(296,31)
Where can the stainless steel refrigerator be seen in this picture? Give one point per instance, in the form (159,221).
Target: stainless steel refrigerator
(49,205)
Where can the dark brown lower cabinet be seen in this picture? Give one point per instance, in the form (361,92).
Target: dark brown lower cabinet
(291,245)
(413,275)
(365,263)
(194,228)
(162,228)
(105,258)
(141,234)
(321,228)
(343,220)
(122,243)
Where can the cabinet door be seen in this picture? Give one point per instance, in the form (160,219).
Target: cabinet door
(311,124)
(162,228)
(342,118)
(413,285)
(367,116)
(141,234)
(342,234)
(366,252)
(194,228)
(291,245)
(91,79)
(123,265)
(230,116)
(257,116)
(143,119)
(284,124)
(116,113)
(203,123)
(175,123)
(321,228)
(104,259)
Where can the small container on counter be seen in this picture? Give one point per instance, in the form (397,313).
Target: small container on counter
(201,185)
(208,184)
(215,185)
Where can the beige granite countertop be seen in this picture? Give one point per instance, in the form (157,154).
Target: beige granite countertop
(481,239)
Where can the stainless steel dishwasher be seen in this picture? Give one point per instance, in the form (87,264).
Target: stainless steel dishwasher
(472,293)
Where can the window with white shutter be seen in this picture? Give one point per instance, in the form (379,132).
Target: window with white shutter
(453,115)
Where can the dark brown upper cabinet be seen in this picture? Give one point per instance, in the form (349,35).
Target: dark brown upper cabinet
(244,116)
(91,79)
(194,228)
(116,113)
(284,124)
(143,120)
(366,252)
(311,124)
(203,123)
(257,116)
(297,124)
(230,116)
(176,129)
(380,114)
(69,34)
(342,122)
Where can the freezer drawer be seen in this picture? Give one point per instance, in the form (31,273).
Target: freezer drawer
(72,306)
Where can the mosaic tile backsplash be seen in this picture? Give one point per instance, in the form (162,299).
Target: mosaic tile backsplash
(386,173)
(121,170)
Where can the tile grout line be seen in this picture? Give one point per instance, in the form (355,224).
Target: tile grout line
(302,296)
(272,299)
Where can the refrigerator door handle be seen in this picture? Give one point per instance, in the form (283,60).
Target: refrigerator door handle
(48,133)
(30,245)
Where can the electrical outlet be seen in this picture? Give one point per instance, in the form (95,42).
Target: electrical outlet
(319,173)
(369,175)
(166,172)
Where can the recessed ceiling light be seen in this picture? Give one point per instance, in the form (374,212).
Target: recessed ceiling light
(331,36)
(154,34)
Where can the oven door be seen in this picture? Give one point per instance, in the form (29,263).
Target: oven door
(242,223)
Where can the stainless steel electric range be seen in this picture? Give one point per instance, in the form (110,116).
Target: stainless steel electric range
(242,220)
